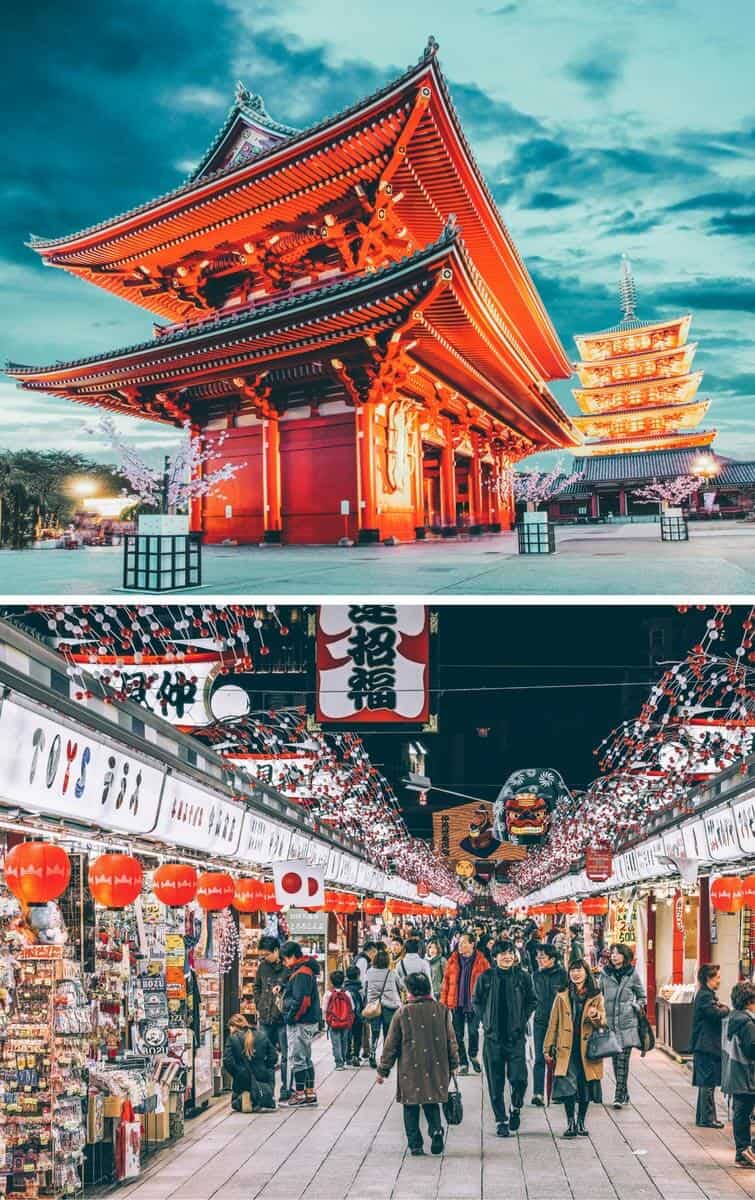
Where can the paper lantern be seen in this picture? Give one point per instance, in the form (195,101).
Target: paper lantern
(748,891)
(567,907)
(115,880)
(595,906)
(214,890)
(37,871)
(248,895)
(175,884)
(726,894)
(269,903)
(372,906)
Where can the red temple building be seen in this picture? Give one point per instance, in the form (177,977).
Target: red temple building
(344,302)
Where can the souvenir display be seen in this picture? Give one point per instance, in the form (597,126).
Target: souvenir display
(249,961)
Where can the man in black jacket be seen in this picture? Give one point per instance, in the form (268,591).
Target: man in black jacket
(549,979)
(269,982)
(503,1000)
(302,1013)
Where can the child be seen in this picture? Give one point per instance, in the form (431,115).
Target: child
(338,1010)
(354,988)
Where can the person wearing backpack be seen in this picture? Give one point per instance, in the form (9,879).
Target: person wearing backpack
(738,1074)
(338,1011)
(353,986)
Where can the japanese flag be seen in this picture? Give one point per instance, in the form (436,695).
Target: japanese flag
(298,885)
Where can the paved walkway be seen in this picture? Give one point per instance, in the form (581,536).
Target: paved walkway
(622,560)
(352,1147)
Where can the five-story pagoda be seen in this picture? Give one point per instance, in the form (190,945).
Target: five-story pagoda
(346,304)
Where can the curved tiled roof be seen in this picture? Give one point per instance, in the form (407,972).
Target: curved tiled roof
(642,464)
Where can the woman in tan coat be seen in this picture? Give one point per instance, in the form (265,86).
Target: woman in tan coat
(576,1012)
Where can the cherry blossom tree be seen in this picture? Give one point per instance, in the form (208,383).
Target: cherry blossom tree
(182,478)
(671,492)
(537,487)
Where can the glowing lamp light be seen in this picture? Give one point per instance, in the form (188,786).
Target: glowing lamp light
(115,880)
(727,894)
(175,884)
(705,465)
(36,872)
(215,890)
(83,487)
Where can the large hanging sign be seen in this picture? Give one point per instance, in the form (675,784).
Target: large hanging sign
(203,820)
(177,692)
(290,774)
(744,819)
(623,923)
(466,834)
(53,767)
(523,810)
(373,667)
(264,841)
(721,832)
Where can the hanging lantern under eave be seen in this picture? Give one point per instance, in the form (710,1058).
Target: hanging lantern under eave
(595,906)
(248,895)
(727,894)
(214,890)
(748,891)
(115,880)
(175,884)
(37,872)
(269,903)
(567,908)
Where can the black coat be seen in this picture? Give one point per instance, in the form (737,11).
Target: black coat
(518,1013)
(301,998)
(269,975)
(548,984)
(707,1018)
(260,1067)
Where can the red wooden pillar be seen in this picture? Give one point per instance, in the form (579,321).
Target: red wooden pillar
(677,951)
(476,506)
(650,958)
(703,923)
(271,479)
(594,505)
(368,522)
(419,482)
(448,483)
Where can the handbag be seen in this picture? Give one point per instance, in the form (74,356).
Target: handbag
(602,1043)
(375,1008)
(645,1032)
(453,1107)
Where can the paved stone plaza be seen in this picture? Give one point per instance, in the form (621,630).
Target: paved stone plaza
(614,560)
(352,1147)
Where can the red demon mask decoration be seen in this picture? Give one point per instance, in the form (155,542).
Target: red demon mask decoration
(524,809)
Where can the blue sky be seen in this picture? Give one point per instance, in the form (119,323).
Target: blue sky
(625,126)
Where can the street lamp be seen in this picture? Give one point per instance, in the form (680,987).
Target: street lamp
(705,466)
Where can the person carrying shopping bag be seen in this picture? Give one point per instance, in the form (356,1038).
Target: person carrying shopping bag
(577,1012)
(382,1001)
(422,1042)
(625,998)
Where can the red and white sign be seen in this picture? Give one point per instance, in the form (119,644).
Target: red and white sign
(298,884)
(179,692)
(372,664)
(598,863)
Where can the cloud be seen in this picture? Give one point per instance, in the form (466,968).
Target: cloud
(598,69)
(195,99)
(738,224)
(551,200)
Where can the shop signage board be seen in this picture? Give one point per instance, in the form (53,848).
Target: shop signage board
(744,820)
(192,816)
(695,840)
(177,692)
(289,774)
(721,832)
(264,842)
(598,863)
(57,768)
(373,665)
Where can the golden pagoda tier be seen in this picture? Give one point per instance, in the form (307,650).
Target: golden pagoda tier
(638,390)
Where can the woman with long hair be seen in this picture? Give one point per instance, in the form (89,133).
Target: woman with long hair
(249,1058)
(382,990)
(577,1011)
(624,996)
(708,1015)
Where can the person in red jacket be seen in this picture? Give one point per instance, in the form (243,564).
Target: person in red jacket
(464,968)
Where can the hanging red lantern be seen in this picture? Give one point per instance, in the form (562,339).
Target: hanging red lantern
(727,894)
(37,871)
(175,884)
(748,891)
(269,903)
(595,906)
(115,880)
(248,895)
(214,890)
(567,907)
(372,906)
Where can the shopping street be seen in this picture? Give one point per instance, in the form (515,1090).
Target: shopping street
(352,1147)
(619,559)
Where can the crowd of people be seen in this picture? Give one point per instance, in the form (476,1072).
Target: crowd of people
(419,1000)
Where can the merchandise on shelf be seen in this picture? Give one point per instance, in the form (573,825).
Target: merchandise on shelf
(250,957)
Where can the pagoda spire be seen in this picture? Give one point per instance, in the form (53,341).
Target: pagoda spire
(627,292)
